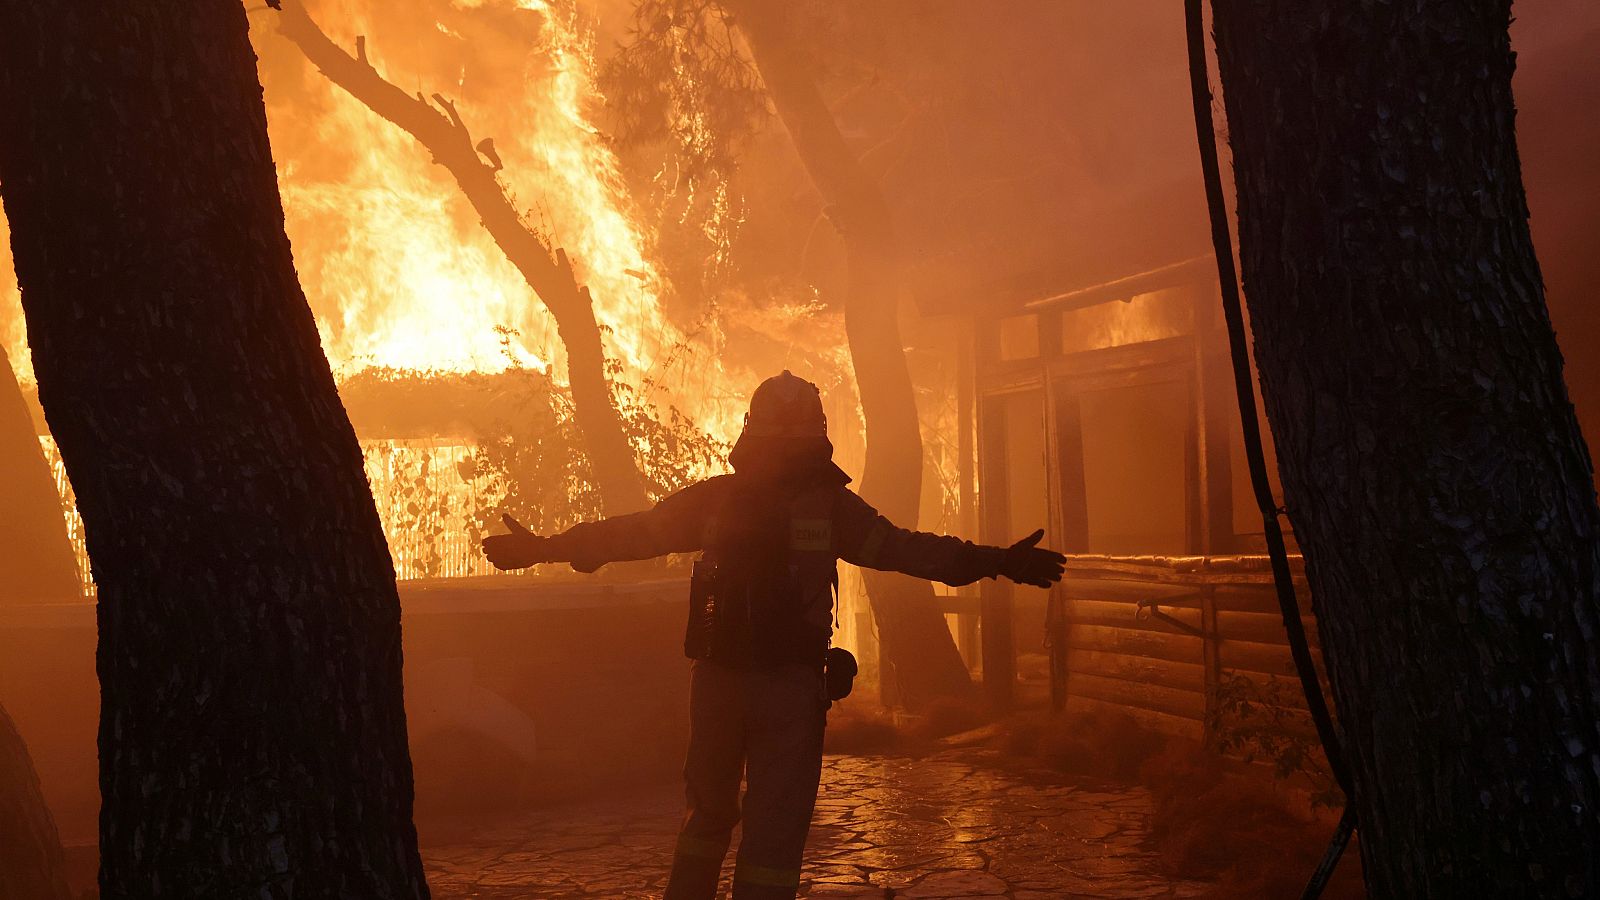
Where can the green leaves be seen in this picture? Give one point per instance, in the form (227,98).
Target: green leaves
(533,466)
(1262,720)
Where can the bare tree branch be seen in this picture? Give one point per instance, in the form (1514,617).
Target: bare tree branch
(547,270)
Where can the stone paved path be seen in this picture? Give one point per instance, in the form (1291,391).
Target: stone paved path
(940,827)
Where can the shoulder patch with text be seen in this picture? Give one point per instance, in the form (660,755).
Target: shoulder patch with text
(811,534)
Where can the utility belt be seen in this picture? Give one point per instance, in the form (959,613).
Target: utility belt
(729,624)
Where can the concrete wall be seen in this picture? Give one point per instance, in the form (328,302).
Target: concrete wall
(517,691)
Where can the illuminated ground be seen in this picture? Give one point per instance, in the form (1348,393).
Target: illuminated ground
(943,827)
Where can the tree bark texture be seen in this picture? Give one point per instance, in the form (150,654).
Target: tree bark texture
(32,866)
(550,274)
(916,642)
(1433,468)
(36,558)
(252,731)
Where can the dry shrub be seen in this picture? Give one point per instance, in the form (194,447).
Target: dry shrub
(1214,819)
(1217,820)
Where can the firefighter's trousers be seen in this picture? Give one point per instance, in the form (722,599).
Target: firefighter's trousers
(765,724)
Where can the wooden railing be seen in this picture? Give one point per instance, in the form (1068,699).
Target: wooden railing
(1173,640)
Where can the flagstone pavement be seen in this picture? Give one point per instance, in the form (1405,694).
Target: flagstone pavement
(946,826)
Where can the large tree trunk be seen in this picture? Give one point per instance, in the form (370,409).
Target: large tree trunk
(252,732)
(1434,471)
(36,559)
(916,643)
(549,273)
(32,866)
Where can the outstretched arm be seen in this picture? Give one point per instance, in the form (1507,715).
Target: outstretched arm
(674,525)
(867,539)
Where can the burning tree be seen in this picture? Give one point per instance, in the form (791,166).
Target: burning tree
(532,459)
(927,664)
(439,128)
(252,734)
(1435,473)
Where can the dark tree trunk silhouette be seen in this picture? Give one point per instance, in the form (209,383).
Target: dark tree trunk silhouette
(443,134)
(36,559)
(916,643)
(32,866)
(1433,468)
(252,732)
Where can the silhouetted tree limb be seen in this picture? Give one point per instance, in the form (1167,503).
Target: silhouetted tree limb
(549,272)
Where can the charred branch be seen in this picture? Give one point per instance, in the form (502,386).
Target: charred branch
(439,128)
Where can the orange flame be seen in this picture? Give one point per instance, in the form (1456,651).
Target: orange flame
(392,258)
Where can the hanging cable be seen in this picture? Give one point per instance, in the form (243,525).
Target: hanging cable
(1255,455)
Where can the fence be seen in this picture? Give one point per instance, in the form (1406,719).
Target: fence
(1190,645)
(428,494)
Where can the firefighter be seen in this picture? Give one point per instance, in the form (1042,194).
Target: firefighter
(762,602)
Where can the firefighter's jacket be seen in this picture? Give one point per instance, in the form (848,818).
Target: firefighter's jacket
(781,541)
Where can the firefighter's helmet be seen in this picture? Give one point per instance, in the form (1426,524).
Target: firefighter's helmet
(786,405)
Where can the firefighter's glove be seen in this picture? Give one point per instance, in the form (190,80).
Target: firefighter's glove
(517,550)
(1026,563)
